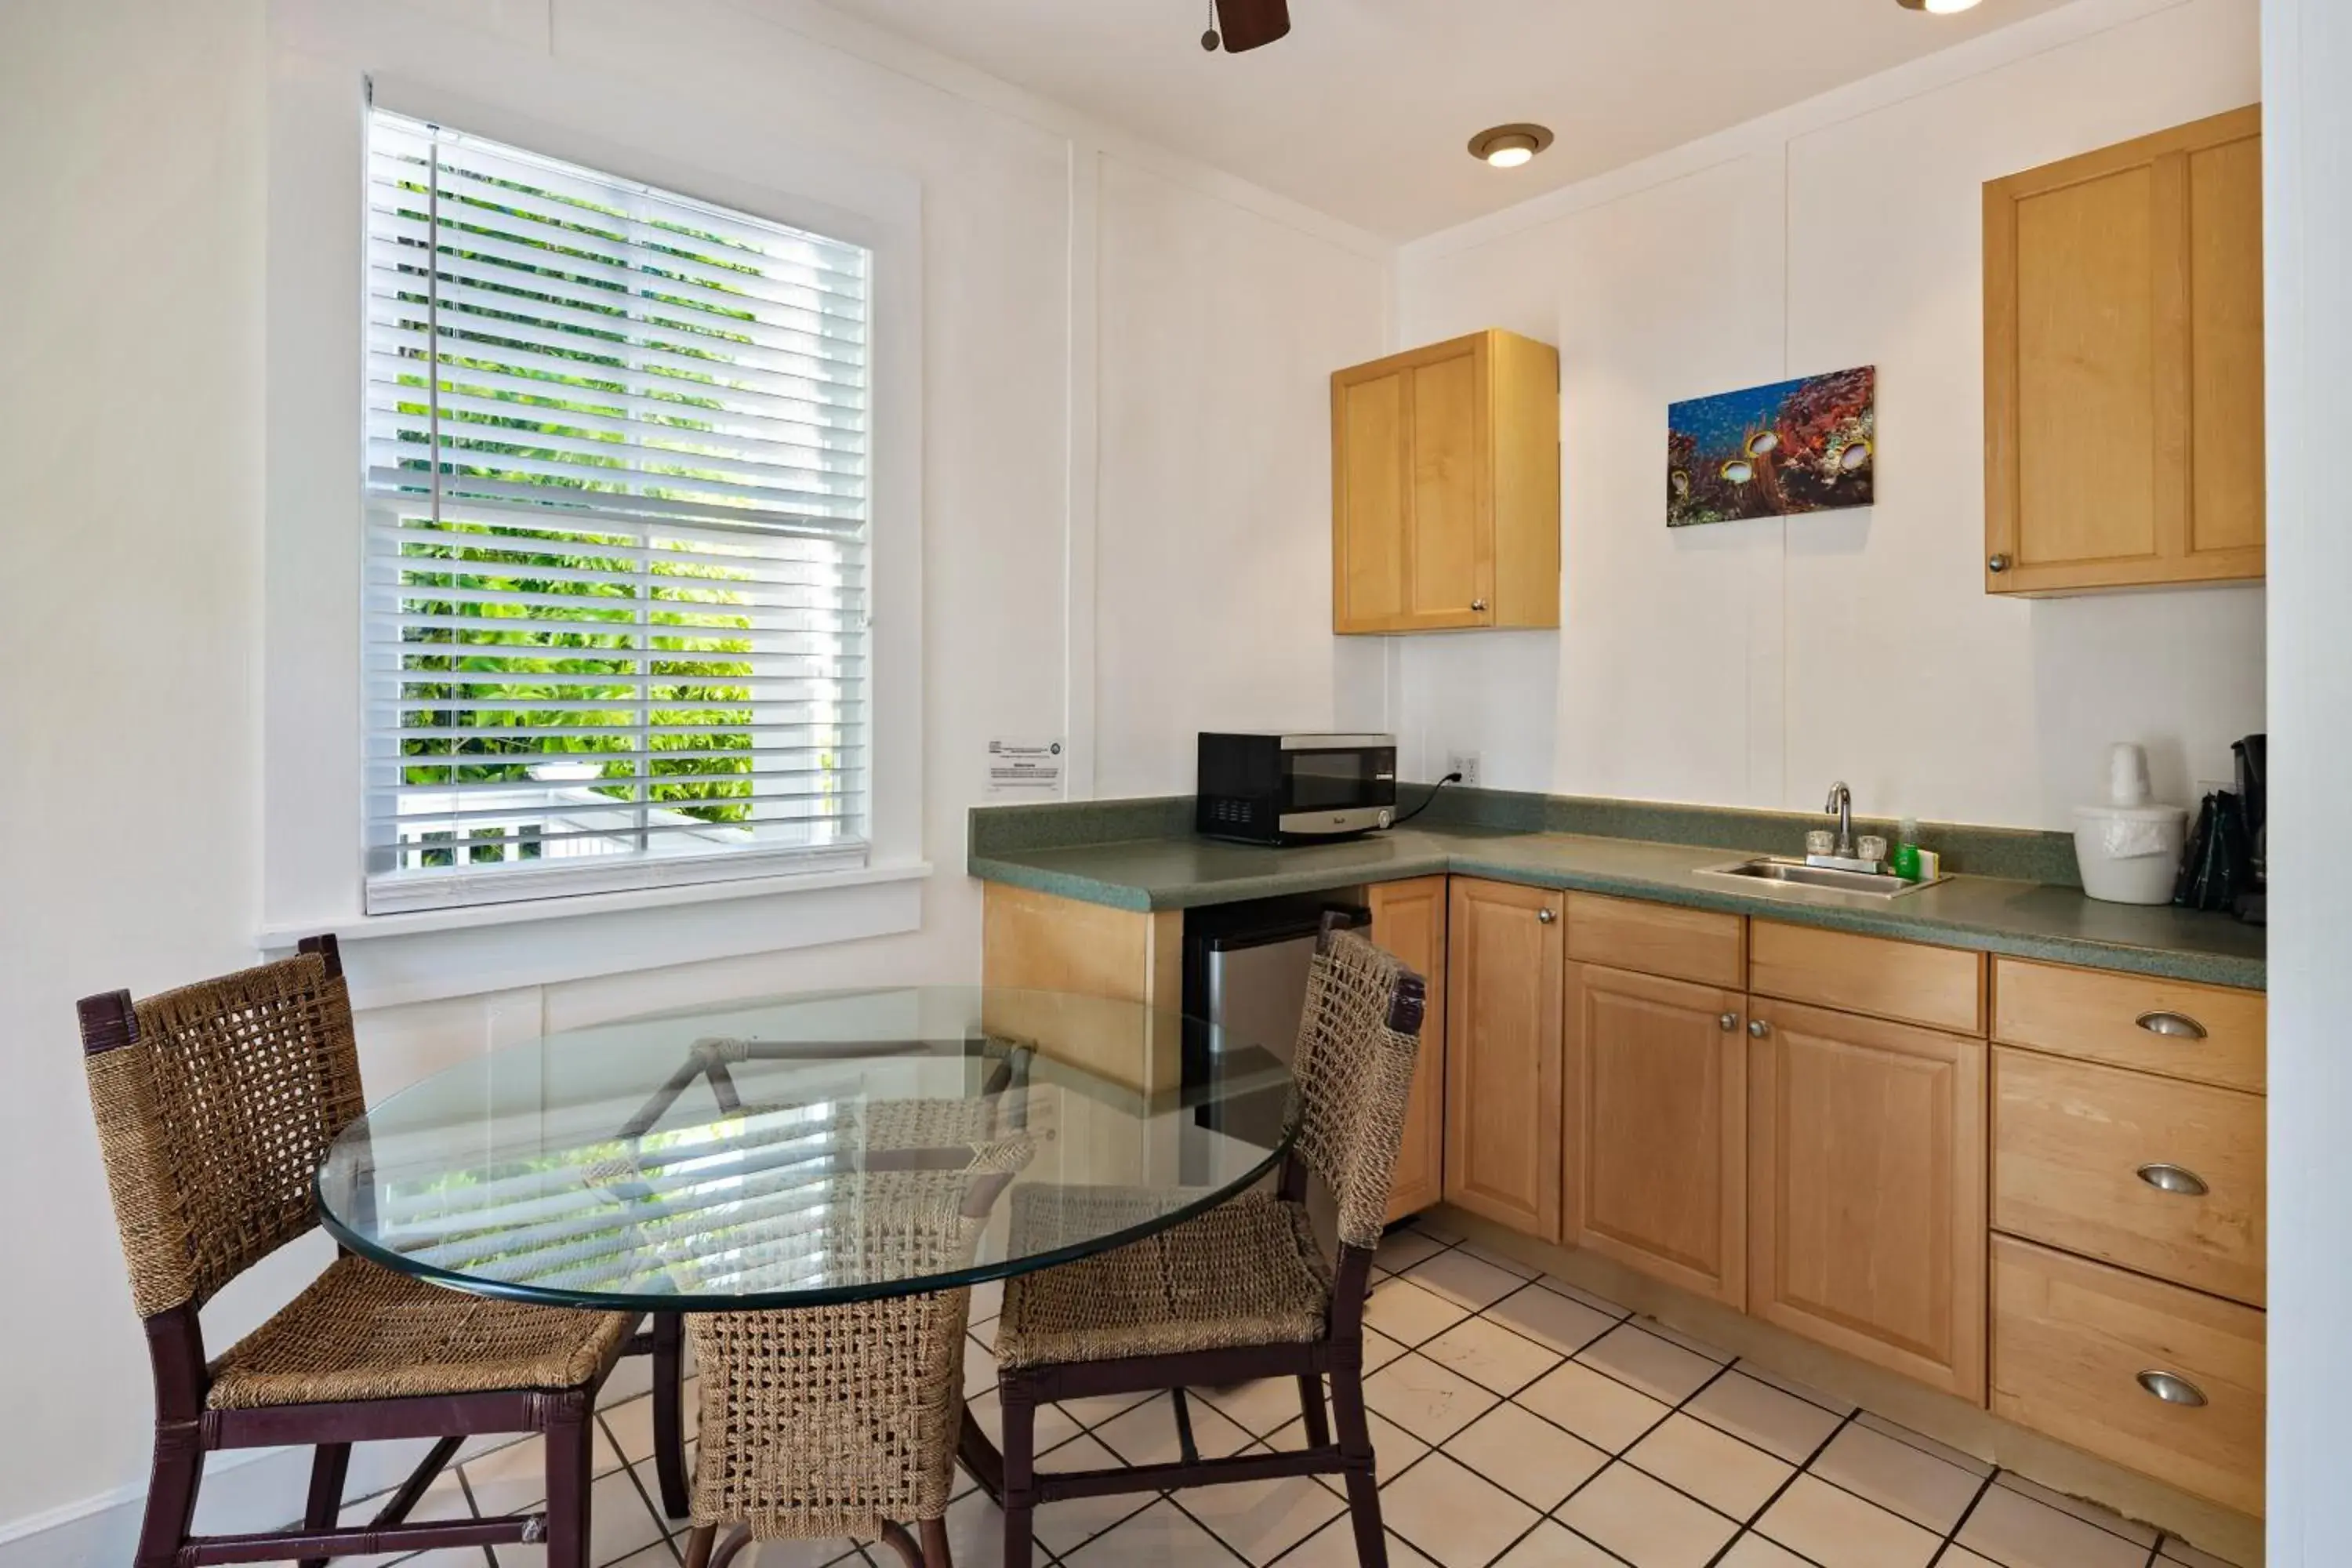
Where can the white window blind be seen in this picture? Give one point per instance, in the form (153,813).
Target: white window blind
(617,568)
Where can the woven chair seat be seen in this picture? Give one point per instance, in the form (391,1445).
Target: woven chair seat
(1247,1272)
(363,1332)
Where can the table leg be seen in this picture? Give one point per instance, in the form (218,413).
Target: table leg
(669,1410)
(981,1459)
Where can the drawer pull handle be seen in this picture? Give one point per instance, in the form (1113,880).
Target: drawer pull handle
(1544,916)
(1759,1029)
(1729,1022)
(2174,1179)
(2176,1025)
(2173,1390)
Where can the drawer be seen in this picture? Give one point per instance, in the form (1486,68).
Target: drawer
(2209,1033)
(1941,987)
(1697,945)
(2069,1141)
(2070,1341)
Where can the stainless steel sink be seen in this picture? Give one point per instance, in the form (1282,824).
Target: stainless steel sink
(1771,874)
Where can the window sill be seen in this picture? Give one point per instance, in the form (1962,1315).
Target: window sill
(429,954)
(280,939)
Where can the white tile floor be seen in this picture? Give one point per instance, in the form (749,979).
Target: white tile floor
(1520,1423)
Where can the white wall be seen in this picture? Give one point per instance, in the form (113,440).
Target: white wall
(132,391)
(1753,663)
(1216,497)
(2308,170)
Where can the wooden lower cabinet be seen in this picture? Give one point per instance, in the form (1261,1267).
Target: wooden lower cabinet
(1657,1119)
(2075,1346)
(1506,954)
(1866,1182)
(1409,921)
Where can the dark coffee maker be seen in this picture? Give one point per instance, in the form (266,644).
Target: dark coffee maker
(2253,790)
(2223,866)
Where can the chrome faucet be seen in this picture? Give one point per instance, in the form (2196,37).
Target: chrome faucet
(1841,802)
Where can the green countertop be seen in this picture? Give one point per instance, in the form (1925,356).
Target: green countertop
(1989,914)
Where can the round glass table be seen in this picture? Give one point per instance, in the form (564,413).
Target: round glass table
(780,1153)
(803,1152)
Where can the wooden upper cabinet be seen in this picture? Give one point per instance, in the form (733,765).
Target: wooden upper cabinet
(1506,962)
(1446,487)
(1866,1182)
(1656,1147)
(2124,364)
(1409,921)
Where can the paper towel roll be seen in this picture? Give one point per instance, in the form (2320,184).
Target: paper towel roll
(2127,774)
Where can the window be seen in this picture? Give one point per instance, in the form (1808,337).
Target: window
(615,602)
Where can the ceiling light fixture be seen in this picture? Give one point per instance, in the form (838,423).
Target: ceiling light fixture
(1938,7)
(1508,146)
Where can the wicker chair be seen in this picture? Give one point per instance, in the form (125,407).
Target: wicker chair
(1244,1290)
(890,1126)
(215,1105)
(844,1420)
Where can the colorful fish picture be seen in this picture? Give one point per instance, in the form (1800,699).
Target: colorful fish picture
(1773,451)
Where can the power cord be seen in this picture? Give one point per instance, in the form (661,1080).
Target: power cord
(1416,811)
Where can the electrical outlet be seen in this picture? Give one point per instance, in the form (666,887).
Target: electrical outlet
(1466,765)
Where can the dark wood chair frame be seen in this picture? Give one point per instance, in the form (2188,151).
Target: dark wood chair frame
(185,1430)
(1012,1479)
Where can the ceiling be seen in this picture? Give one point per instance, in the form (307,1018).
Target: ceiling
(1364,111)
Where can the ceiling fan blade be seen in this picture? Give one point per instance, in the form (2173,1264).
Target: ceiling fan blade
(1248,24)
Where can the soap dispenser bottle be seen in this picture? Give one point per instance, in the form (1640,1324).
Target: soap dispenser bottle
(1905,863)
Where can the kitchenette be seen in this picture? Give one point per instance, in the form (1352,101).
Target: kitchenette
(1964,1122)
(1895,1129)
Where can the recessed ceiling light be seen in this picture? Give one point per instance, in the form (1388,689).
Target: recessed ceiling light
(1508,146)
(1938,7)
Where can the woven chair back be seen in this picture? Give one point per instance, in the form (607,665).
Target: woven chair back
(828,1421)
(213,1119)
(1358,1042)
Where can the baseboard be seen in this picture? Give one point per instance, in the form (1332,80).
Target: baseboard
(1965,1426)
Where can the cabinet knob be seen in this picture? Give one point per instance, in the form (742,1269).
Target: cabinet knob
(1729,1022)
(1998,563)
(1479,604)
(1758,1028)
(2172,1389)
(2176,1025)
(2174,1179)
(1544,916)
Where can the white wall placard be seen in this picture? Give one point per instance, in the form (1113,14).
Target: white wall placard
(1028,770)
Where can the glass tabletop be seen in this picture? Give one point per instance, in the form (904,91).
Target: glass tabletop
(807,1150)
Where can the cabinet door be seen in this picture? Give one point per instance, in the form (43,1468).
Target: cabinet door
(1409,921)
(2226,500)
(1866,1182)
(1451,553)
(1371,462)
(2123,364)
(1505,959)
(1413,480)
(1657,1128)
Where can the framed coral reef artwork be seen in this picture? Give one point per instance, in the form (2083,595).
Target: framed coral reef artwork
(1809,445)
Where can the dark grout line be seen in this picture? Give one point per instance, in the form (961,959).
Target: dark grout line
(1952,1536)
(661,1519)
(1619,1457)
(1748,1526)
(465,1491)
